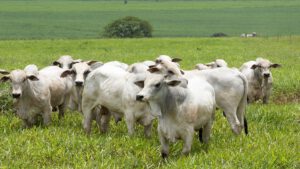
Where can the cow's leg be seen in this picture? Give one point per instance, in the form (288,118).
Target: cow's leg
(201,135)
(233,120)
(47,115)
(87,110)
(147,130)
(105,118)
(206,131)
(241,111)
(129,122)
(146,121)
(79,95)
(188,140)
(117,117)
(26,123)
(266,95)
(164,145)
(61,111)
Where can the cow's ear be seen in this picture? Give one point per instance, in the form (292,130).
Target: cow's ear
(176,60)
(157,61)
(4,72)
(151,66)
(91,62)
(210,64)
(153,70)
(56,63)
(4,78)
(74,62)
(66,73)
(173,83)
(139,83)
(275,65)
(254,66)
(32,78)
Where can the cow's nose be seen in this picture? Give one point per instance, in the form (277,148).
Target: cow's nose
(78,83)
(266,75)
(139,97)
(16,95)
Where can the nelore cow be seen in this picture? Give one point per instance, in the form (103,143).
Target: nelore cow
(79,71)
(37,92)
(113,87)
(182,107)
(65,62)
(140,67)
(230,89)
(215,64)
(259,78)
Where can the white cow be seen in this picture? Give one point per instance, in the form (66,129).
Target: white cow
(167,58)
(259,79)
(113,87)
(230,88)
(60,88)
(65,62)
(215,64)
(251,35)
(181,110)
(121,65)
(243,35)
(140,67)
(31,70)
(31,96)
(78,72)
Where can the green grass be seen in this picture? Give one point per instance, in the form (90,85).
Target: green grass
(274,136)
(44,19)
(273,142)
(286,51)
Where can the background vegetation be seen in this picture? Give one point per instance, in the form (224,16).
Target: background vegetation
(60,19)
(128,27)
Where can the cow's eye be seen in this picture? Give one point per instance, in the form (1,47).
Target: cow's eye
(157,85)
(87,72)
(170,72)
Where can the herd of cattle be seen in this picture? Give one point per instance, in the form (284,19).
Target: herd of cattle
(183,101)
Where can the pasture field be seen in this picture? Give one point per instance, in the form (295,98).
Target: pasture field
(61,19)
(273,141)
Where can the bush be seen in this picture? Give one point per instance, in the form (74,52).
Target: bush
(219,34)
(128,27)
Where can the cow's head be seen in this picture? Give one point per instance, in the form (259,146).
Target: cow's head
(65,62)
(155,86)
(166,67)
(79,72)
(262,67)
(19,81)
(161,58)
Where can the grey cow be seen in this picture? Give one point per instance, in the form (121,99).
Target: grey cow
(259,79)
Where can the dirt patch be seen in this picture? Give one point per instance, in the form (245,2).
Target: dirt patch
(287,98)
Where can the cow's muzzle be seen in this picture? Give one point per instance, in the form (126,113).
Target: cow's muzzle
(139,97)
(79,84)
(266,75)
(16,95)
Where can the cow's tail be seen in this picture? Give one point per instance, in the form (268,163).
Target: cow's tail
(241,111)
